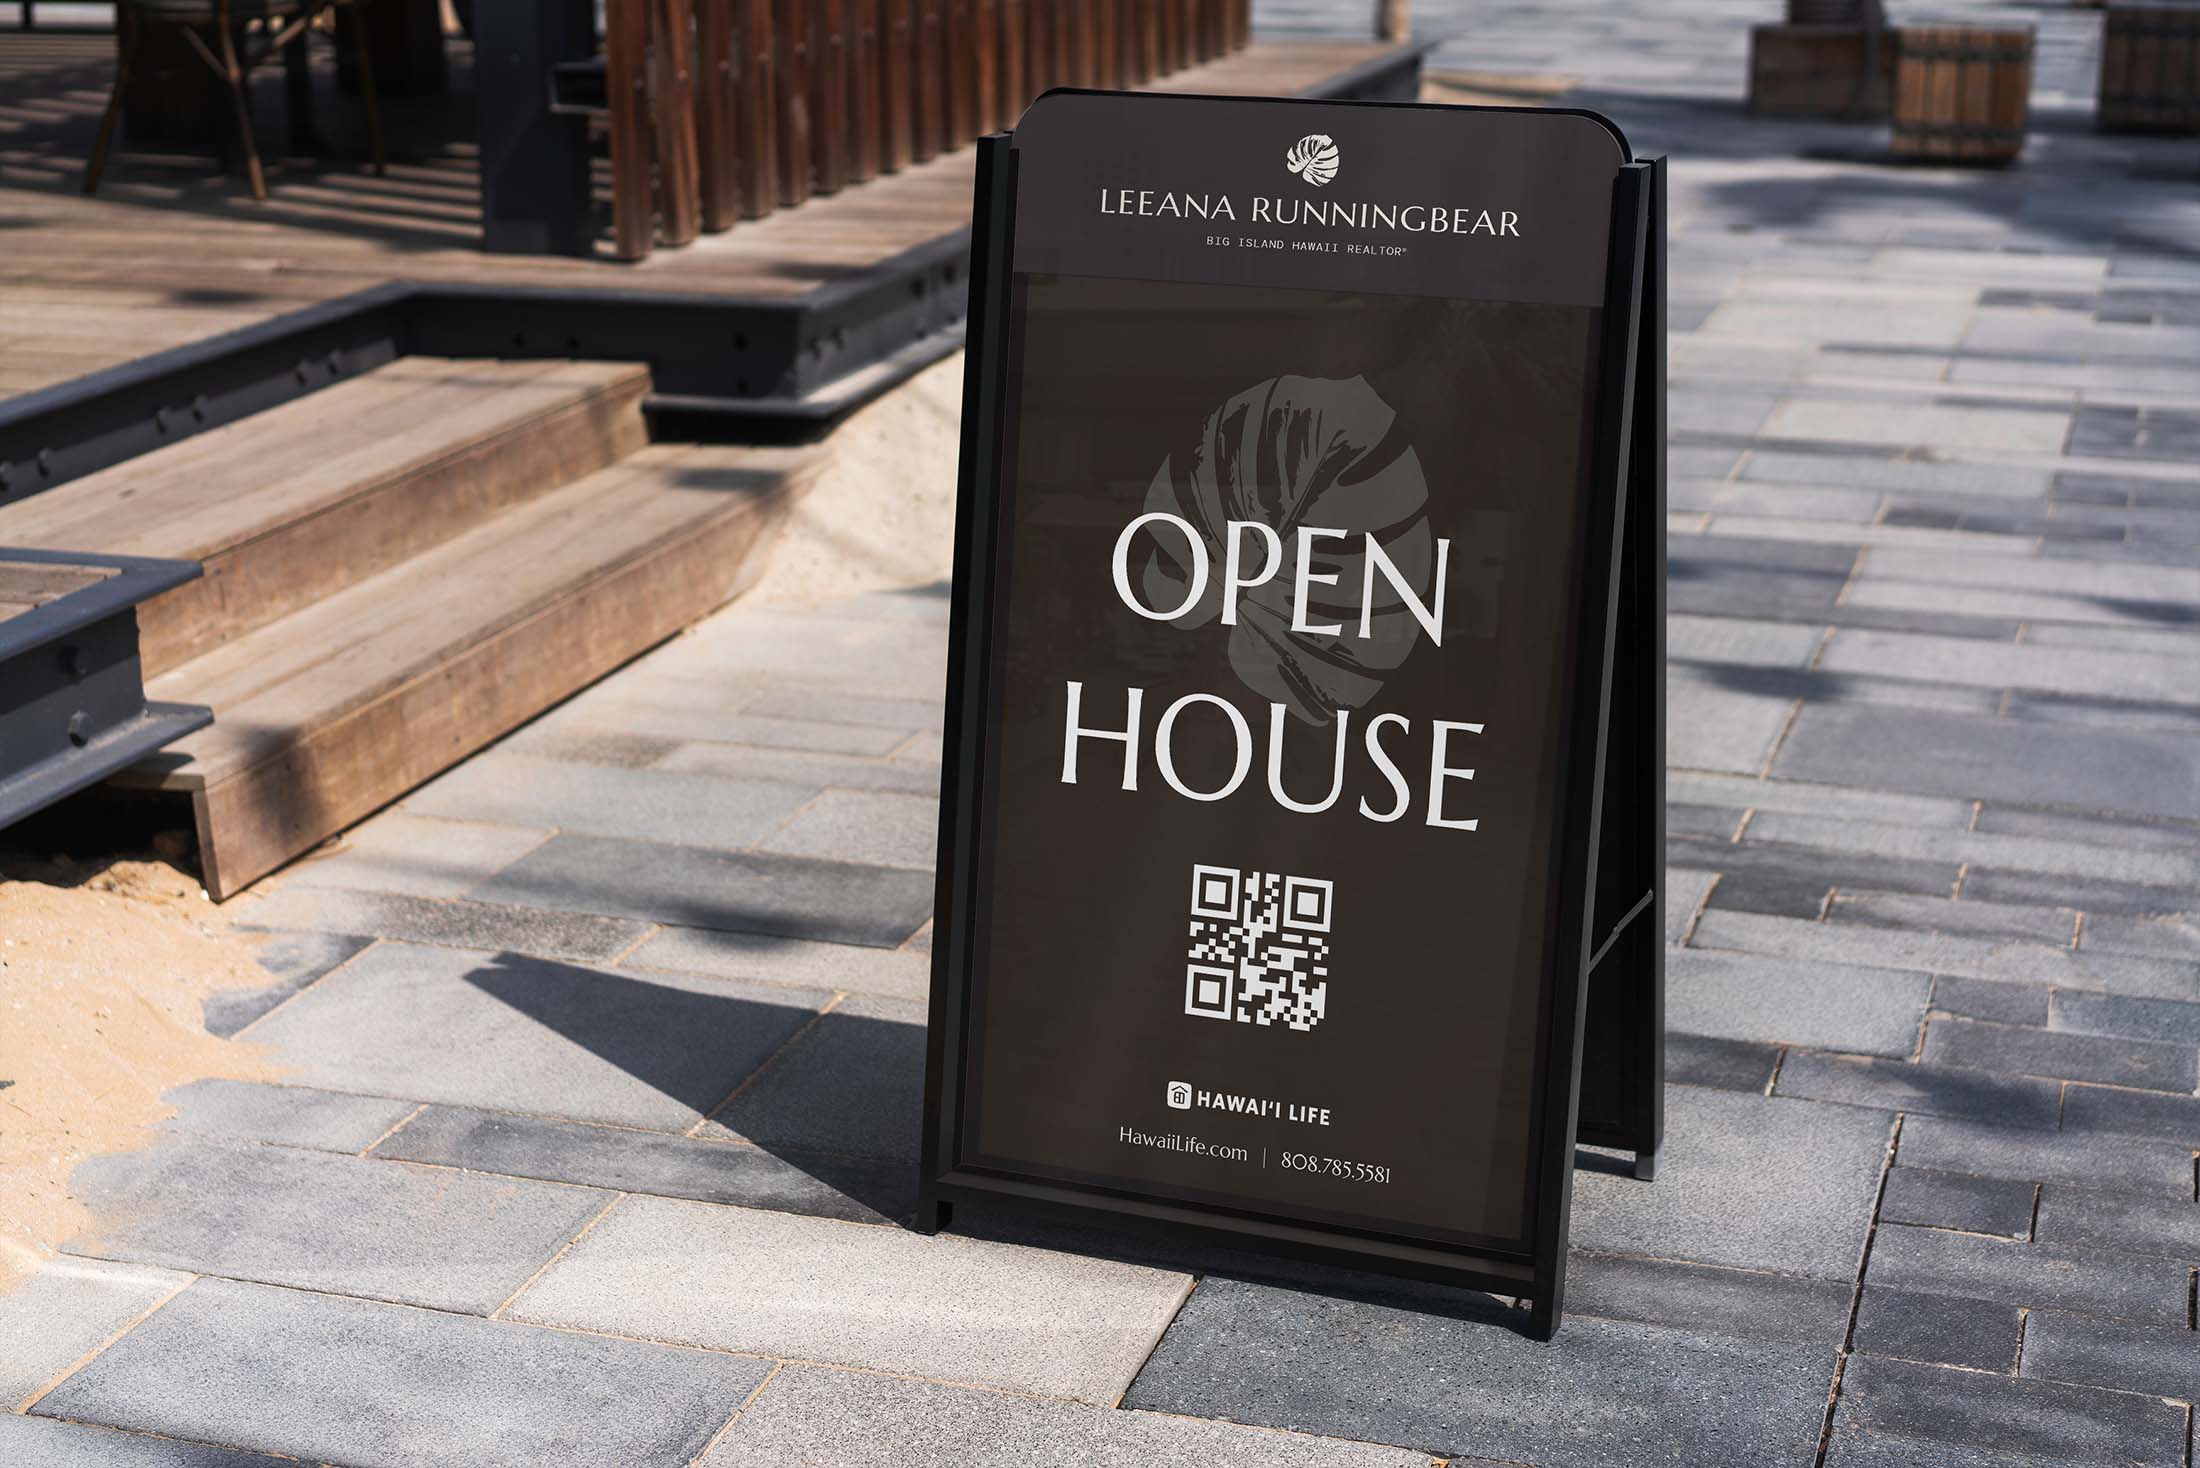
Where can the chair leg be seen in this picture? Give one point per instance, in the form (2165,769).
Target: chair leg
(98,164)
(366,85)
(234,74)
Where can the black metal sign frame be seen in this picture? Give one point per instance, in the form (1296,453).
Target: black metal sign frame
(1606,988)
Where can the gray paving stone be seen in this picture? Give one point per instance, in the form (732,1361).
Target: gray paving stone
(1941,477)
(2018,1050)
(1709,727)
(949,1308)
(2011,1004)
(2019,820)
(1781,1001)
(2008,1004)
(1977,1205)
(867,826)
(691,887)
(294,960)
(451,921)
(2173,935)
(289,1116)
(50,1444)
(2103,714)
(1850,1447)
(2124,1164)
(2060,1346)
(1464,1382)
(419,855)
(2033,764)
(2132,1113)
(552,1038)
(1837,801)
(1944,1329)
(590,746)
(831,706)
(661,1166)
(1937,1262)
(1946,953)
(319,1222)
(671,717)
(62,1312)
(852,1085)
(325,1378)
(1713,823)
(1737,574)
(899,973)
(798,767)
(1964,660)
(2065,1423)
(605,800)
(898,660)
(1795,880)
(810,1414)
(1685,891)
(2041,610)
(1895,909)
(1901,1085)
(1725,1065)
(2092,895)
(2073,1219)
(2170,1021)
(925,749)
(1854,506)
(2059,854)
(1692,639)
(1750,1182)
(1746,1304)
(1778,887)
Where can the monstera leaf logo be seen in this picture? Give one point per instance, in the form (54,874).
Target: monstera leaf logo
(1313,158)
(1288,452)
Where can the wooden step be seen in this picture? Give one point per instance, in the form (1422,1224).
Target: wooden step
(341,707)
(287,506)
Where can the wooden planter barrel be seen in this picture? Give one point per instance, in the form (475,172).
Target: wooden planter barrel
(1962,92)
(1820,71)
(2150,68)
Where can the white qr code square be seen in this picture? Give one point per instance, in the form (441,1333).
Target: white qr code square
(1259,949)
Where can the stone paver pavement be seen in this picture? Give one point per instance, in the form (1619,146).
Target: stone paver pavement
(604,1049)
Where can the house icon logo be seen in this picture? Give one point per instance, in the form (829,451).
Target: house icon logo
(1180,1096)
(1313,158)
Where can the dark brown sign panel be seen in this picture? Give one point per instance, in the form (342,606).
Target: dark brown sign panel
(1291,538)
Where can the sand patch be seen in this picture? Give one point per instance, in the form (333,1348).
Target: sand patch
(882,513)
(102,974)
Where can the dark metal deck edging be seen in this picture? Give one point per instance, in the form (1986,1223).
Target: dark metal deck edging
(729,368)
(72,693)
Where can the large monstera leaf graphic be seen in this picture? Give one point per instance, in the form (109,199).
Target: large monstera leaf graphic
(1291,452)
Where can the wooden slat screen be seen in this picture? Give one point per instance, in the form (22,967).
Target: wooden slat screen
(721,110)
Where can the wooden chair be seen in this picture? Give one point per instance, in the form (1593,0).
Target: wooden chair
(281,22)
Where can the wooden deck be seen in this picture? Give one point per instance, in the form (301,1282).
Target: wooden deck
(174,250)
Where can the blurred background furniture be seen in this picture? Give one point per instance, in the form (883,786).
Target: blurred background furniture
(1833,58)
(1962,92)
(232,38)
(2150,68)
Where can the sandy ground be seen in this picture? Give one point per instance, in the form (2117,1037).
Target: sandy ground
(102,972)
(882,513)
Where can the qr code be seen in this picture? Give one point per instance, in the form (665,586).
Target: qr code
(1260,948)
